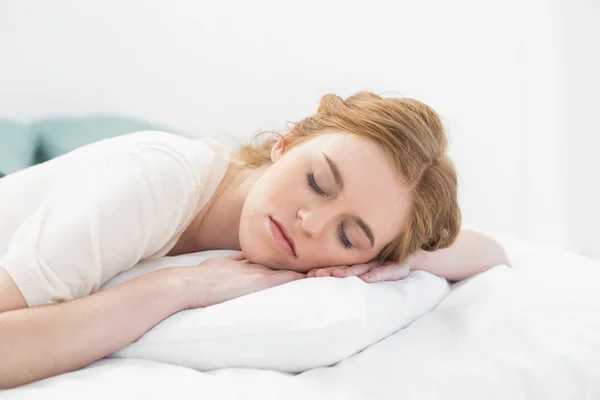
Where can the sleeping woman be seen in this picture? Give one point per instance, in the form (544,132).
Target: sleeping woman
(363,188)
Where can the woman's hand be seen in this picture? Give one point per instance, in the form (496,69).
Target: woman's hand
(369,272)
(220,279)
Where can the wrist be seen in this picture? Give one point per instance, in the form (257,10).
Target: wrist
(175,285)
(188,287)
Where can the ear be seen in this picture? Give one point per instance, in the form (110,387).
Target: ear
(278,149)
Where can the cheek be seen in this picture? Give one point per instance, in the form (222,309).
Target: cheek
(245,237)
(280,198)
(331,254)
(282,189)
(271,188)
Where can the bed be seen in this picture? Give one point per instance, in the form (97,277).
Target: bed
(527,332)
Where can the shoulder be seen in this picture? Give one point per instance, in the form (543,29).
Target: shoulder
(201,156)
(202,148)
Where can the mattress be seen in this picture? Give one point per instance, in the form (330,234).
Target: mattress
(527,332)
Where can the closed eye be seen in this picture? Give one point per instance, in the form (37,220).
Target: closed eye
(313,184)
(345,242)
(342,234)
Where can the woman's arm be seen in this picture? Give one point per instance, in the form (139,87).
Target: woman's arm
(10,295)
(44,341)
(470,254)
(40,342)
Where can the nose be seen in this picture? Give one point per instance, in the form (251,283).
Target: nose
(312,222)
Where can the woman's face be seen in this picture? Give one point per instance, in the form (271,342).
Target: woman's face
(342,221)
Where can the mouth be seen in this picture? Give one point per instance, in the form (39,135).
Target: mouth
(282,237)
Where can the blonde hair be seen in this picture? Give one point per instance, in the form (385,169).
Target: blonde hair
(414,139)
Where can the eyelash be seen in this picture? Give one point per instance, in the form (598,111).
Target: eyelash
(345,242)
(313,184)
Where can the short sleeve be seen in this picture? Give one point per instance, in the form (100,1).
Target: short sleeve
(101,221)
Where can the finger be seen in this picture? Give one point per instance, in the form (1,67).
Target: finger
(336,271)
(322,272)
(376,274)
(339,272)
(311,273)
(357,269)
(281,278)
(390,272)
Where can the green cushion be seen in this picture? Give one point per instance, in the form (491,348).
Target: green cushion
(17,146)
(59,136)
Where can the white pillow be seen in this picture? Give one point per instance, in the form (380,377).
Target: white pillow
(304,324)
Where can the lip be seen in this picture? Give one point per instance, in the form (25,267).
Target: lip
(282,237)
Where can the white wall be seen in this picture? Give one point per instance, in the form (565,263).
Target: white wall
(496,72)
(582,128)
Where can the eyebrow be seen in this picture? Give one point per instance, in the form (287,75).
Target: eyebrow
(339,183)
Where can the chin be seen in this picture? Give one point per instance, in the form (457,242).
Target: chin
(255,251)
(258,255)
(260,249)
(252,242)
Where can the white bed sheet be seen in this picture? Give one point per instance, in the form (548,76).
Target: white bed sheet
(530,332)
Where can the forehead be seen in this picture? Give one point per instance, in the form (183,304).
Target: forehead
(373,190)
(348,145)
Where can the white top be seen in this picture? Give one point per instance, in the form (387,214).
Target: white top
(70,224)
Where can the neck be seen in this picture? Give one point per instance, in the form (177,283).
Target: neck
(217,225)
